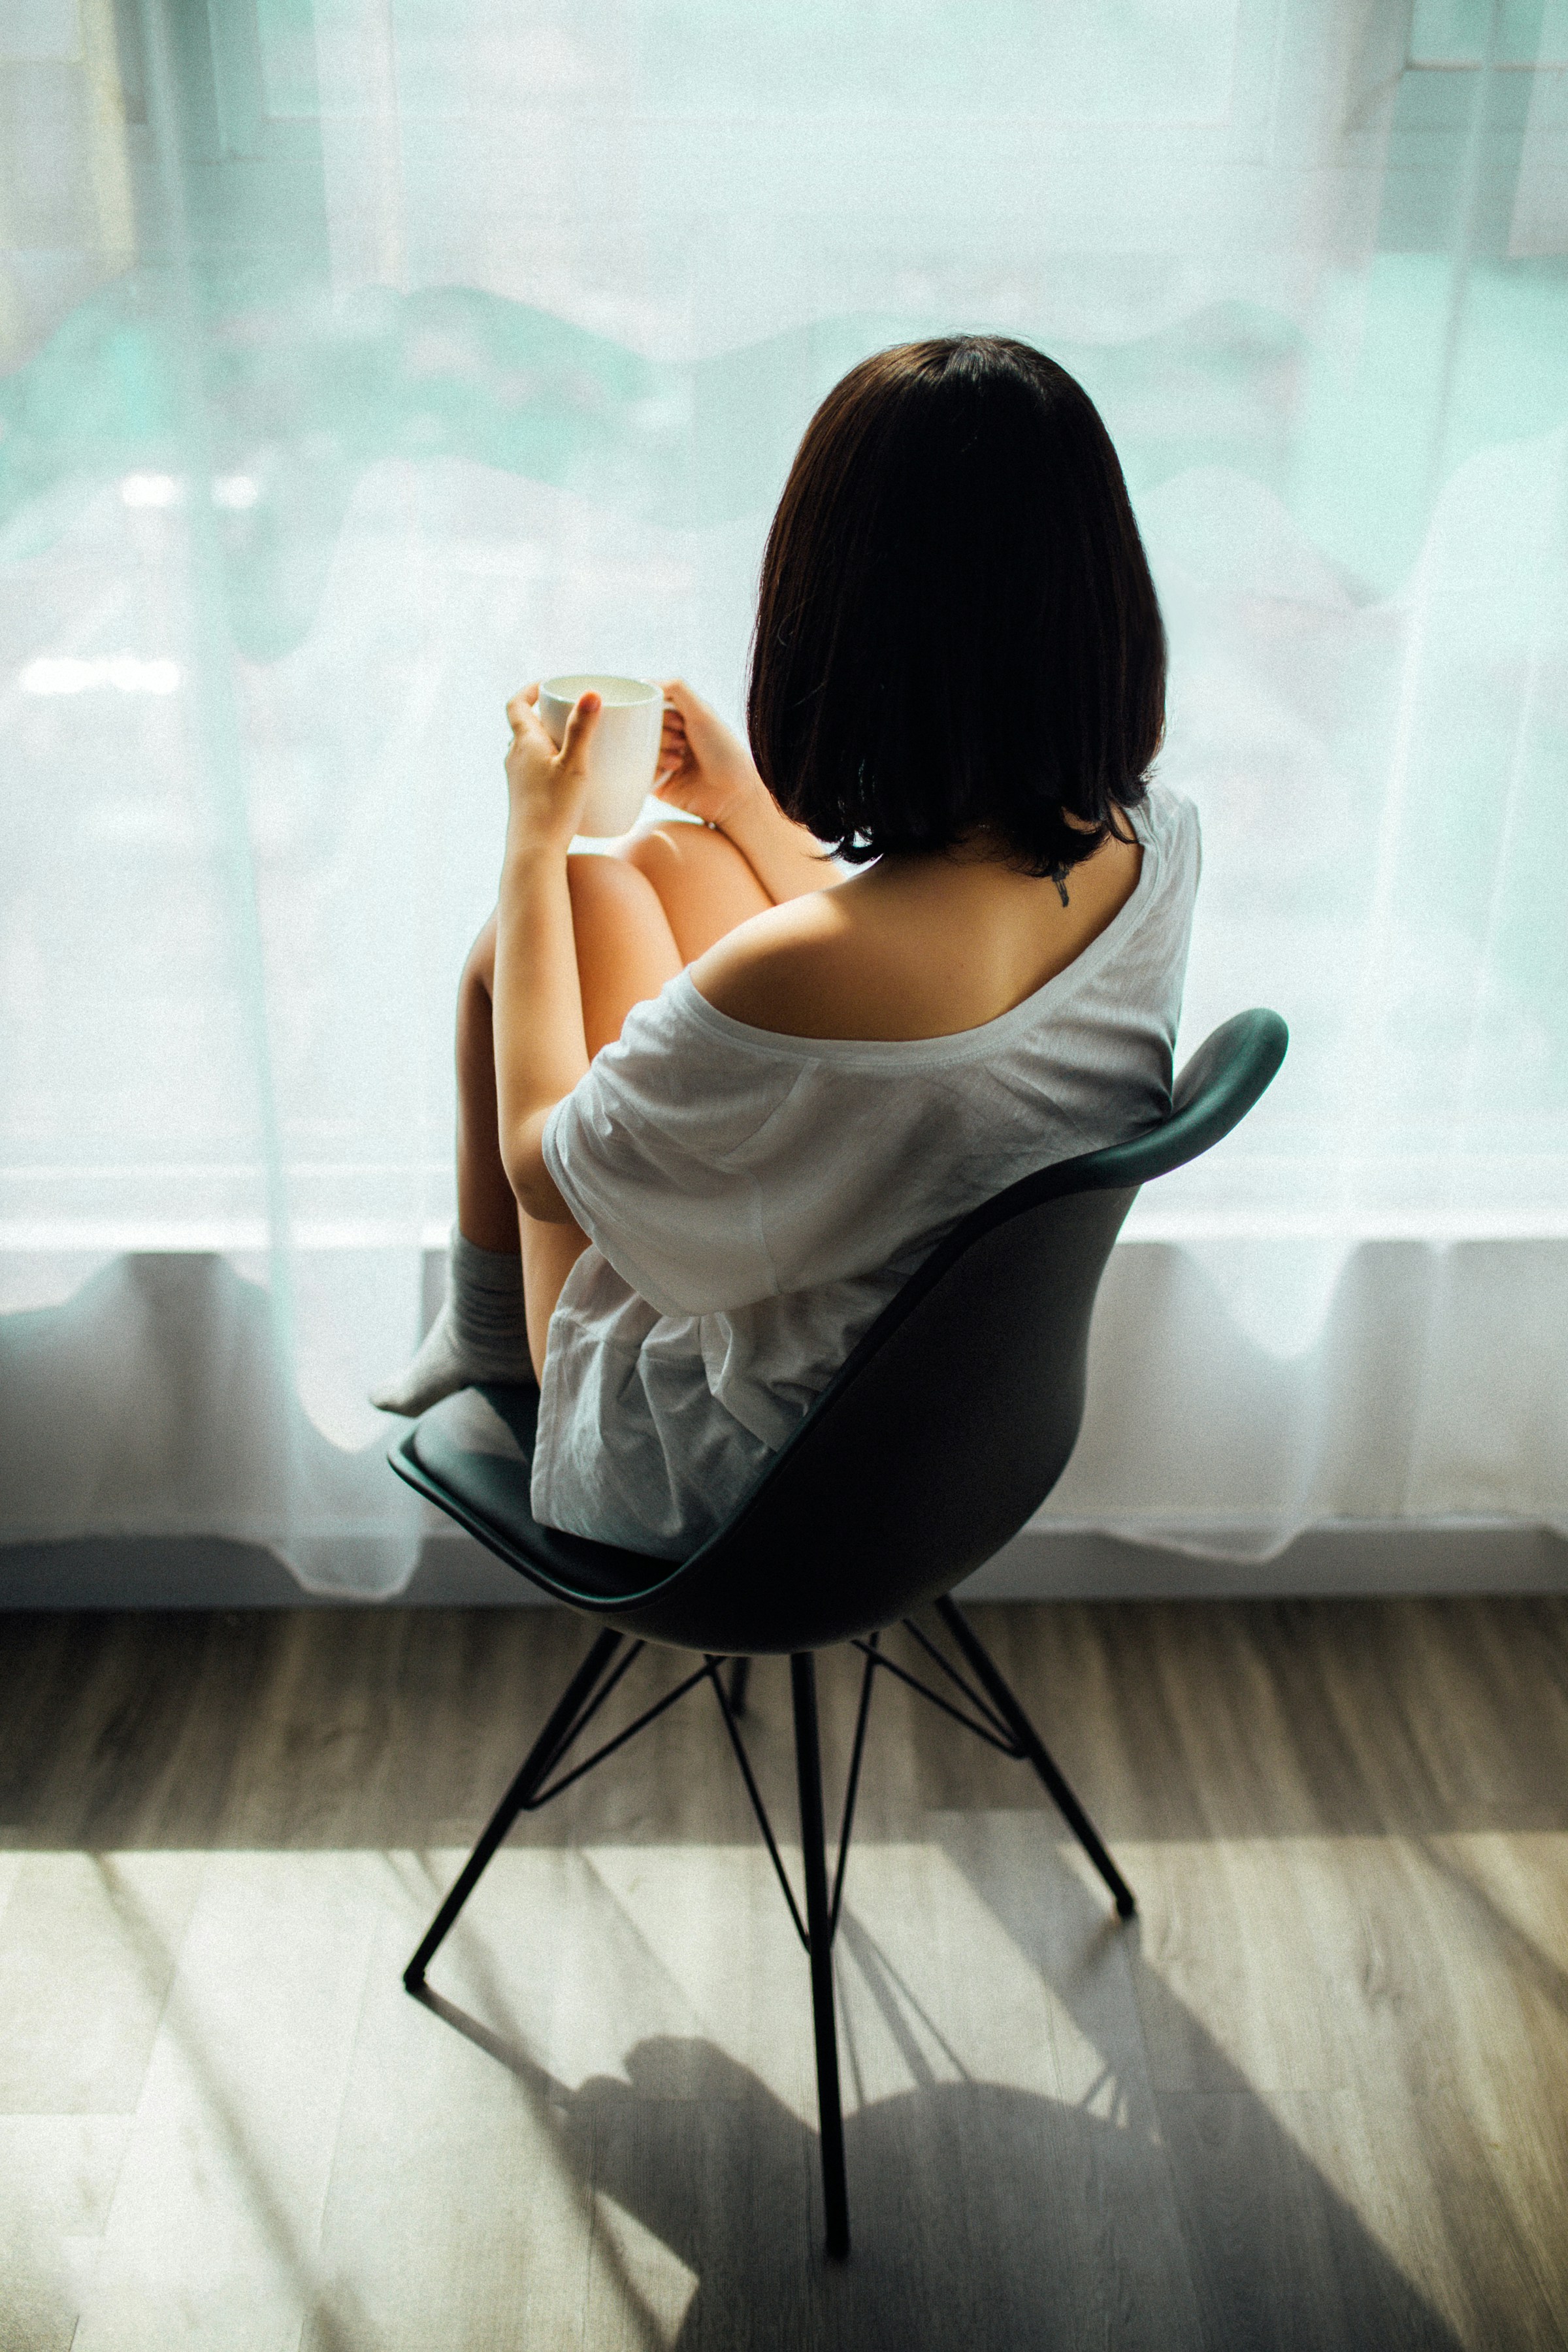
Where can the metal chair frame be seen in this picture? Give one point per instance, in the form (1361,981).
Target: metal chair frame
(905,1529)
(993,1715)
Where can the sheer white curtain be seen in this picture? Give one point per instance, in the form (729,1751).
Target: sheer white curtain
(366,358)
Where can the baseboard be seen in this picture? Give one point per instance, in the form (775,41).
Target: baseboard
(1342,1557)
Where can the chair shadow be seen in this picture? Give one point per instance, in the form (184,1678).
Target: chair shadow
(982,2216)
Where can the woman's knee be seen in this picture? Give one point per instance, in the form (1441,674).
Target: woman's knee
(693,852)
(593,874)
(703,882)
(607,892)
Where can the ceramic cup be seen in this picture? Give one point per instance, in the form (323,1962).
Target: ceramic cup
(623,758)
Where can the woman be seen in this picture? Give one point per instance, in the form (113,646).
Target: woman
(737,1095)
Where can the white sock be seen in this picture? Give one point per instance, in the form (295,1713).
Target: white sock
(480,1333)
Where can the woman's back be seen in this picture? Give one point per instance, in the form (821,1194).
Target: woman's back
(755,1195)
(914,947)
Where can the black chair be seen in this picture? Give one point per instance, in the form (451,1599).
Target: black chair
(940,1435)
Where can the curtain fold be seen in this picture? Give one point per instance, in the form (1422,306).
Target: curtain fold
(365,358)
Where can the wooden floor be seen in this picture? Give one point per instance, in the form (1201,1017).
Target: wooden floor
(1316,2096)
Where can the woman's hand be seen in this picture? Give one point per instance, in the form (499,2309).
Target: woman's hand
(547,787)
(708,772)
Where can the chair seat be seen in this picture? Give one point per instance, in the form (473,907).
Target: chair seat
(475,1451)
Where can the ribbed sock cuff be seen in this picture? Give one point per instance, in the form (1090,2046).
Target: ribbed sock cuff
(485,1302)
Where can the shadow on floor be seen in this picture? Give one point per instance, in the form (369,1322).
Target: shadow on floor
(983,2217)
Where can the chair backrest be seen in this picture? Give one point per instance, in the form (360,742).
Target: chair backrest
(955,1416)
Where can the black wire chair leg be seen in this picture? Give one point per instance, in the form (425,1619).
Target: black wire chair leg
(739,1675)
(819,1933)
(1034,1750)
(536,1764)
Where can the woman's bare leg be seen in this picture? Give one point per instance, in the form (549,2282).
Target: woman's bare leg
(639,915)
(626,951)
(486,1206)
(702,880)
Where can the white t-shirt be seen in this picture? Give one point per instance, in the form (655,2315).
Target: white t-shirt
(753,1200)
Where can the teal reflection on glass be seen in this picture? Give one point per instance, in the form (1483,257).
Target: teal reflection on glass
(357,354)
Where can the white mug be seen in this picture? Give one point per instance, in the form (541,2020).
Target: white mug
(623,756)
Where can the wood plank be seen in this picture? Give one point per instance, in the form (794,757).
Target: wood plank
(1314,2096)
(88,1952)
(1280,2259)
(212,2237)
(122,1731)
(57,2177)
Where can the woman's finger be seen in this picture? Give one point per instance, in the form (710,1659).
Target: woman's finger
(521,710)
(580,728)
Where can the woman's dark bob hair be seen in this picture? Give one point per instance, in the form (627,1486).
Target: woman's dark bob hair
(957,634)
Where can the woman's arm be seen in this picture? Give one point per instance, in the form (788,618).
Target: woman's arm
(710,773)
(541,1048)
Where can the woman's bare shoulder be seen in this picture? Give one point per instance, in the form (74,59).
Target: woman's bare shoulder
(931,950)
(787,969)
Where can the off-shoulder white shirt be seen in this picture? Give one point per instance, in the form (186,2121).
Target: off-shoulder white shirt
(753,1200)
